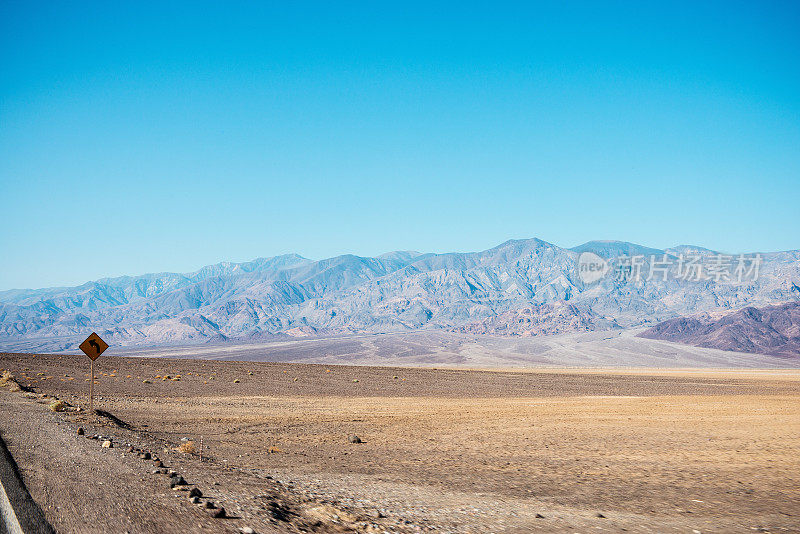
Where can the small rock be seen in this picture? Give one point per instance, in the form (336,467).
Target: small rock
(539,516)
(354,439)
(601,516)
(145,456)
(159,463)
(247,530)
(95,437)
(209,505)
(177,480)
(195,493)
(218,512)
(194,500)
(80,431)
(107,444)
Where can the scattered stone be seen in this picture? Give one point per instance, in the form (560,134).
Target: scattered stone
(107,444)
(354,439)
(236,381)
(176,480)
(247,530)
(218,512)
(194,500)
(154,471)
(209,505)
(195,493)
(601,516)
(80,431)
(95,437)
(145,456)
(159,463)
(539,516)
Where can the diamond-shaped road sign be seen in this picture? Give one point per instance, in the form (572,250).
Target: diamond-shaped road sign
(93,346)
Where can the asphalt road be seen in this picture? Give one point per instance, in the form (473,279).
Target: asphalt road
(19,512)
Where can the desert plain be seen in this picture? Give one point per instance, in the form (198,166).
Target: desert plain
(441,449)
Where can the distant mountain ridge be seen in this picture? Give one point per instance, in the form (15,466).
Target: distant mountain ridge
(771,330)
(516,288)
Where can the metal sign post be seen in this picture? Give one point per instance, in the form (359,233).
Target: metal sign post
(93,347)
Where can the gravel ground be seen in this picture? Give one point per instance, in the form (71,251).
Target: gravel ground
(443,450)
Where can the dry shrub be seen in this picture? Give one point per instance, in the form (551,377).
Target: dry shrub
(187,447)
(58,406)
(8,380)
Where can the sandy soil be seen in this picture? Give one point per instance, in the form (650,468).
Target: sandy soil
(444,450)
(611,348)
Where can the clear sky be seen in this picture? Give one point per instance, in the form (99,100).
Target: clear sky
(142,137)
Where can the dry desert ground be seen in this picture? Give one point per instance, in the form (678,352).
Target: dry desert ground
(443,450)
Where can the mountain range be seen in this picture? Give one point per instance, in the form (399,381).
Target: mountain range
(773,330)
(519,288)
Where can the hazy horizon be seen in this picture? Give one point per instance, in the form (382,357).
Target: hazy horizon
(442,252)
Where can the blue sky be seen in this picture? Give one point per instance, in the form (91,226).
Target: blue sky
(140,137)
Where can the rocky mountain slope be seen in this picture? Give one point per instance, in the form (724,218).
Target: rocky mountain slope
(517,288)
(771,330)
